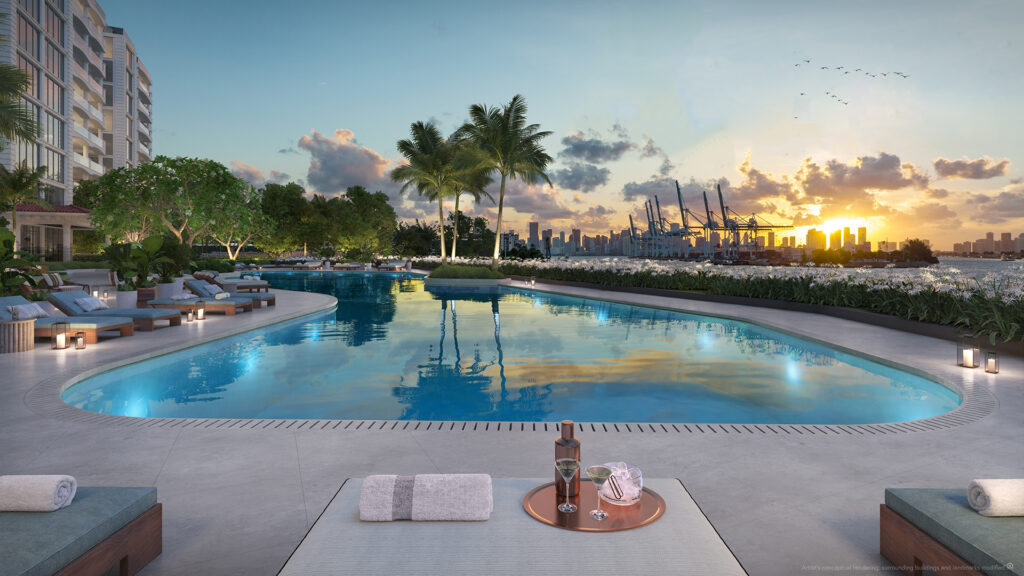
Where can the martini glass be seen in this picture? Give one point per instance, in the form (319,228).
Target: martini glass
(567,467)
(599,474)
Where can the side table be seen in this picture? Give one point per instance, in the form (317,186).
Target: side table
(17,335)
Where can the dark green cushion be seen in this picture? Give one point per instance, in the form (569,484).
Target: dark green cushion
(41,543)
(990,544)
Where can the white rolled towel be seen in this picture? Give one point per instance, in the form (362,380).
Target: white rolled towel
(997,496)
(42,493)
(438,497)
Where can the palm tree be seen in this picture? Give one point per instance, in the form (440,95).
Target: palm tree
(20,185)
(512,147)
(430,169)
(15,119)
(472,175)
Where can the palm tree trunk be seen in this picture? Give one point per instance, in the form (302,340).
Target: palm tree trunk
(497,228)
(440,215)
(455,227)
(14,224)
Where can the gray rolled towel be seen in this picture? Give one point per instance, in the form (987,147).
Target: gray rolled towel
(44,493)
(384,498)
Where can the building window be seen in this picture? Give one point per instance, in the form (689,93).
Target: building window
(53,95)
(28,37)
(53,194)
(33,72)
(27,151)
(108,71)
(131,151)
(54,25)
(30,6)
(54,164)
(32,108)
(53,130)
(54,60)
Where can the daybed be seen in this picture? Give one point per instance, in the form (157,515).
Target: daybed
(144,318)
(90,325)
(936,528)
(226,306)
(101,529)
(203,289)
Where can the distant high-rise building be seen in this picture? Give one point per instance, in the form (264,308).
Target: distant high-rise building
(533,240)
(862,235)
(575,238)
(815,240)
(849,242)
(835,240)
(771,239)
(1006,243)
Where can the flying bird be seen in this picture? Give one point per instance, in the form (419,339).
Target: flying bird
(847,72)
(824,67)
(857,70)
(839,67)
(802,94)
(808,61)
(884,74)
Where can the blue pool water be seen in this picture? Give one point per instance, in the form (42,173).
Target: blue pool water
(394,350)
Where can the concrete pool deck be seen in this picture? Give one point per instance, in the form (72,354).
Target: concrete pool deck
(238,496)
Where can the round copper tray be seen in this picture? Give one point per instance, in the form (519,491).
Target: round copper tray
(541,504)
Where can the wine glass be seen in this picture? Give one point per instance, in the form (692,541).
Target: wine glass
(599,474)
(567,467)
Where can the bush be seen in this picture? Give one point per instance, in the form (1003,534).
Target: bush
(466,272)
(77,264)
(215,264)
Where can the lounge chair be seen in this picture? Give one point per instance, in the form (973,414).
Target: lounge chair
(97,279)
(307,265)
(90,325)
(202,288)
(232,285)
(937,527)
(350,266)
(392,266)
(144,318)
(227,306)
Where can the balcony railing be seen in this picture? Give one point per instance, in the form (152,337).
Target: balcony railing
(144,149)
(87,163)
(89,136)
(84,104)
(90,82)
(143,129)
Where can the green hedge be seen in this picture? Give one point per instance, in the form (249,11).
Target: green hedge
(465,271)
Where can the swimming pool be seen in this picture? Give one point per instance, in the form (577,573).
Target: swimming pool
(394,350)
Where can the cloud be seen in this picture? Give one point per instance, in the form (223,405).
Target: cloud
(288,150)
(581,176)
(978,169)
(251,174)
(758,186)
(1005,205)
(1016,180)
(339,162)
(278,177)
(936,193)
(644,190)
(593,149)
(538,202)
(650,150)
(838,181)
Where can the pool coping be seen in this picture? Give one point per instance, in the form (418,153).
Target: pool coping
(44,398)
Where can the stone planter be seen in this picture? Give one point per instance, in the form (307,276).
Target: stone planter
(17,335)
(179,284)
(165,290)
(127,298)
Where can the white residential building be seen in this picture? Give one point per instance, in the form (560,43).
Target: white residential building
(65,47)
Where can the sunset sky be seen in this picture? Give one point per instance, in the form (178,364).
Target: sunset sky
(635,94)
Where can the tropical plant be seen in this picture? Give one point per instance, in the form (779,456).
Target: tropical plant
(240,222)
(147,255)
(20,185)
(179,260)
(286,206)
(120,201)
(472,173)
(16,121)
(120,258)
(13,270)
(430,168)
(512,147)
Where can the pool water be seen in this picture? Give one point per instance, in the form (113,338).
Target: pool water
(397,351)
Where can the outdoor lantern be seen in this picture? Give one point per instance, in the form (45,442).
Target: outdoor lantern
(201,311)
(533,281)
(95,293)
(992,362)
(190,315)
(968,354)
(59,335)
(105,294)
(79,340)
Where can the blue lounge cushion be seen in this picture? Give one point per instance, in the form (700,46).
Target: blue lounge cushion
(41,543)
(945,515)
(85,322)
(207,301)
(67,301)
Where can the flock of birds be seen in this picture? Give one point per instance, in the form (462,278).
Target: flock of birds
(844,70)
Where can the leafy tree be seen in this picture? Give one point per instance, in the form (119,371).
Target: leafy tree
(20,185)
(190,193)
(370,222)
(240,222)
(429,169)
(917,251)
(512,147)
(12,272)
(120,201)
(285,205)
(417,239)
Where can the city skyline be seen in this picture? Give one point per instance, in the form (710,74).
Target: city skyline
(919,142)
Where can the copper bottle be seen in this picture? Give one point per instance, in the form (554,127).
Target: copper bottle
(567,446)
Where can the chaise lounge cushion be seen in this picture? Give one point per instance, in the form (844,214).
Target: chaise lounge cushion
(85,322)
(67,301)
(945,515)
(41,543)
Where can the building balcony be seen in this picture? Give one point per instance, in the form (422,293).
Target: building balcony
(144,130)
(88,81)
(83,44)
(144,112)
(83,16)
(92,111)
(143,149)
(95,140)
(145,91)
(91,166)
